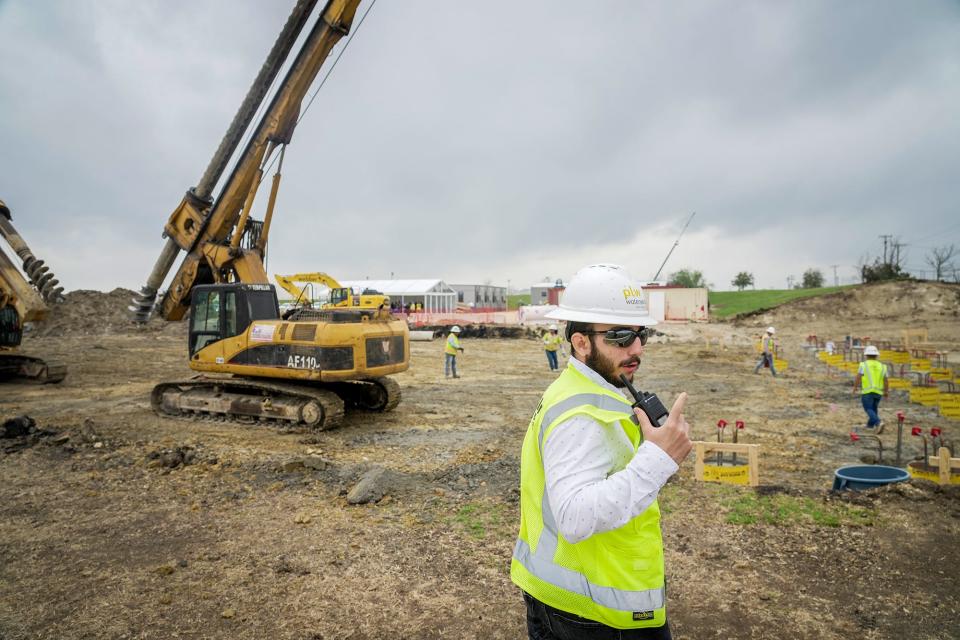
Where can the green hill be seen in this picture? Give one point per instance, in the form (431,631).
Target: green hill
(724,304)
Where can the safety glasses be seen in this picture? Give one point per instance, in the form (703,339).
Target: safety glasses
(622,337)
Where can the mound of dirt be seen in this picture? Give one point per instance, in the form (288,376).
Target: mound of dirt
(85,312)
(901,304)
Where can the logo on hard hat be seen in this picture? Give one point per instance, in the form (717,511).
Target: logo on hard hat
(632,295)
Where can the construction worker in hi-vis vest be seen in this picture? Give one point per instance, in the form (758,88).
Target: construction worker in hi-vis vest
(589,556)
(450,351)
(871,380)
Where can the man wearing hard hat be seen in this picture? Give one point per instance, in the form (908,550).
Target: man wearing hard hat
(871,380)
(589,555)
(767,346)
(552,342)
(450,350)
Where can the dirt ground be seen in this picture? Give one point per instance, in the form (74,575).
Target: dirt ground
(116,523)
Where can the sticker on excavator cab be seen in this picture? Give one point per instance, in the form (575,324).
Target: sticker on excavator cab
(262,332)
(303,362)
(260,287)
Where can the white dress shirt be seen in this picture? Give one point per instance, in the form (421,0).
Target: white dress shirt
(595,481)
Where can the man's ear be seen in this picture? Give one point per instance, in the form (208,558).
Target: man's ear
(581,344)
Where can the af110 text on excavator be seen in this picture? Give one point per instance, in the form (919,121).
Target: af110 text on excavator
(255,365)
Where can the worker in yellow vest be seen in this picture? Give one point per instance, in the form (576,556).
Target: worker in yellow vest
(768,348)
(589,555)
(871,380)
(450,350)
(553,342)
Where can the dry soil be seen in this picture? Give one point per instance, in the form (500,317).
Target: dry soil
(116,523)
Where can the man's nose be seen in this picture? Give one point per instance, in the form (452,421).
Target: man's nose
(636,349)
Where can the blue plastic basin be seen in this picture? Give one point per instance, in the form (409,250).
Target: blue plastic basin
(867,476)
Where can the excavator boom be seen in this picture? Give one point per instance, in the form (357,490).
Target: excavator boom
(211,232)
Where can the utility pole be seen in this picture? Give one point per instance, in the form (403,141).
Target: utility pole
(836,281)
(789,282)
(886,238)
(895,250)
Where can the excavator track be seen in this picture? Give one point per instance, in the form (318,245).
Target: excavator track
(377,394)
(22,368)
(245,399)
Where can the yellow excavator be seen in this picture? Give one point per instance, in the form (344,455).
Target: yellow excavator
(24,301)
(253,364)
(340,296)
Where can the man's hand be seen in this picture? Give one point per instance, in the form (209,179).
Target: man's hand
(674,436)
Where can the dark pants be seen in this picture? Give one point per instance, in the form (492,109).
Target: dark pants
(546,623)
(552,360)
(871,402)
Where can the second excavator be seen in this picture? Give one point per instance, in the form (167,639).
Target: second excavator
(253,364)
(341,297)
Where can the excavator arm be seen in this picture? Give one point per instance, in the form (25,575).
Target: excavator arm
(24,301)
(27,299)
(222,243)
(289,282)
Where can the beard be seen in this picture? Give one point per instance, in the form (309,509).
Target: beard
(606,367)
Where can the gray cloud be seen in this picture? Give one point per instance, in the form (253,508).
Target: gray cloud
(471,141)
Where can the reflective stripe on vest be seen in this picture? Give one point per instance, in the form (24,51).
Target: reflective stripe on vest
(873,372)
(541,565)
(597,400)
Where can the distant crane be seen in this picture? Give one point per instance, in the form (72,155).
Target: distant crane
(674,245)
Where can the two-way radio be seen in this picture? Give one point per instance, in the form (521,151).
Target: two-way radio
(649,403)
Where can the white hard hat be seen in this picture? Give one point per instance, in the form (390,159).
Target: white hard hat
(871,351)
(553,327)
(770,330)
(603,293)
(455,329)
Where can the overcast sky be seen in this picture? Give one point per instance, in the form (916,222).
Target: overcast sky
(496,141)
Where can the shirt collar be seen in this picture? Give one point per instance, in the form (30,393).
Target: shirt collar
(594,377)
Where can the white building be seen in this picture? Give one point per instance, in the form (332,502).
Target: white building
(546,292)
(481,297)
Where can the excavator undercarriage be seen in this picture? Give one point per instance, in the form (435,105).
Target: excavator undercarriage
(292,403)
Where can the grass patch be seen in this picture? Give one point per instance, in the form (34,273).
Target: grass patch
(785,510)
(516,299)
(478,519)
(724,304)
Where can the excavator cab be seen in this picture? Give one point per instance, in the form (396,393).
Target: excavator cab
(339,296)
(219,311)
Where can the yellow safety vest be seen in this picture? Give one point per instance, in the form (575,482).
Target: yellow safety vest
(552,342)
(453,343)
(615,577)
(872,373)
(766,344)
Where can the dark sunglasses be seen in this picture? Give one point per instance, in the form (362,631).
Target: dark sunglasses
(622,337)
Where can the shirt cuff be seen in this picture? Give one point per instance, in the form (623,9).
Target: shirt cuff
(663,466)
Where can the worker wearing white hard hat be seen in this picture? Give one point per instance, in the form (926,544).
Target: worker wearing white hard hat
(768,352)
(553,342)
(872,383)
(590,544)
(450,350)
